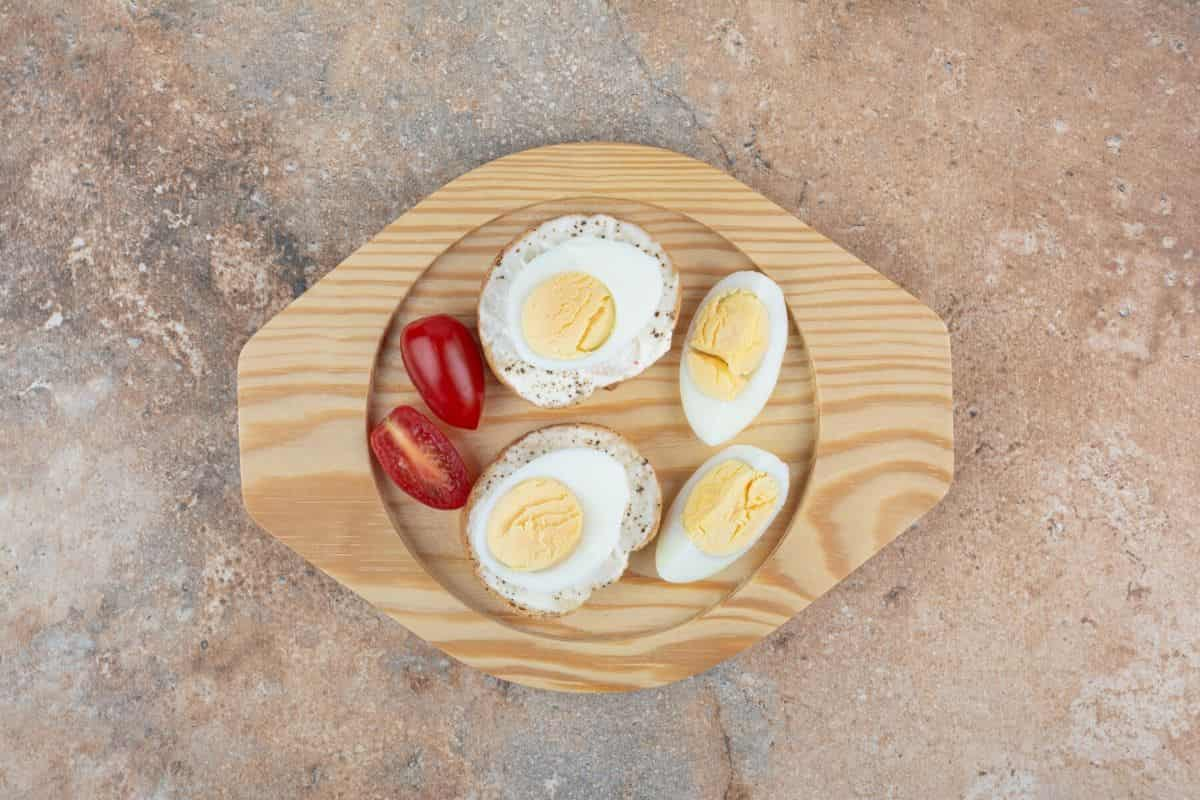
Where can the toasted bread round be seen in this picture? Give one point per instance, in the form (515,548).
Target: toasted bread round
(565,384)
(639,522)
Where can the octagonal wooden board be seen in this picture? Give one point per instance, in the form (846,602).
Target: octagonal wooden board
(861,414)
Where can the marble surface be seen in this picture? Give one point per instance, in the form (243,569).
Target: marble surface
(172,173)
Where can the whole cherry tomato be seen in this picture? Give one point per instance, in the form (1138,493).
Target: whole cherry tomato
(420,459)
(445,365)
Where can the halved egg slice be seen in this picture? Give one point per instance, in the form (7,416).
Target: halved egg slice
(719,514)
(732,355)
(576,304)
(557,514)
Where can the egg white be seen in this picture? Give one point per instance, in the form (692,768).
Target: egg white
(630,275)
(599,482)
(713,420)
(677,559)
(639,275)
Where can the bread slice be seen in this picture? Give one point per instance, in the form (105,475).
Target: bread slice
(639,524)
(562,387)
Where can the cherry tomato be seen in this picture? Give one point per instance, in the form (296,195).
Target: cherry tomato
(420,459)
(445,365)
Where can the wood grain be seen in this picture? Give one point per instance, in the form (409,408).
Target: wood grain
(862,415)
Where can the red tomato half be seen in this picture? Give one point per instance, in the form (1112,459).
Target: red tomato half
(420,459)
(444,363)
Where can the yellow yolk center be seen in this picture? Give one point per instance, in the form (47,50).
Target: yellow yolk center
(568,316)
(535,525)
(728,343)
(728,507)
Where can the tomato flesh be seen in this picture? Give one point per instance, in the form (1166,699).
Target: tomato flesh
(445,365)
(420,459)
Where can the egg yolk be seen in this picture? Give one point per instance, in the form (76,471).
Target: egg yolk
(535,525)
(728,507)
(728,343)
(568,316)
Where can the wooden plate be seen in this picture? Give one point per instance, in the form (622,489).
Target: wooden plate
(862,415)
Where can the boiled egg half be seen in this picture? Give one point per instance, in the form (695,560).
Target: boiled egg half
(720,513)
(557,514)
(576,304)
(732,355)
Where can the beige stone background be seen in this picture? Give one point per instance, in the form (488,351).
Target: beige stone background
(172,173)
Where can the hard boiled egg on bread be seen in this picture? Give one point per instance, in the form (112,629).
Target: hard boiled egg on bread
(578,303)
(557,514)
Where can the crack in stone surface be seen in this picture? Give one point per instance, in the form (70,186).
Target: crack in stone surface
(682,102)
